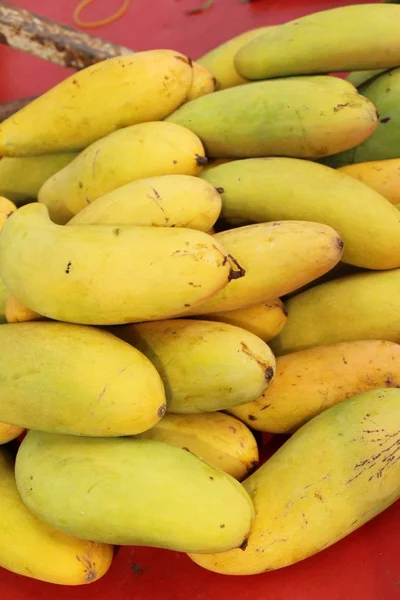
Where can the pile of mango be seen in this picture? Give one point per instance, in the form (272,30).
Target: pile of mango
(192,253)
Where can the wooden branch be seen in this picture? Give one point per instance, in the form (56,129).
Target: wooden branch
(59,44)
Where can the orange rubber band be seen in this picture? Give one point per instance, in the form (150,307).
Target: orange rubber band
(84,3)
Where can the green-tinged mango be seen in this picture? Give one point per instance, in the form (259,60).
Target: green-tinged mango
(384,92)
(204,365)
(158,149)
(77,380)
(107,275)
(217,438)
(132,492)
(165,201)
(109,95)
(268,189)
(347,38)
(32,548)
(357,78)
(312,380)
(334,474)
(296,117)
(364,306)
(265,320)
(22,178)
(277,257)
(220,60)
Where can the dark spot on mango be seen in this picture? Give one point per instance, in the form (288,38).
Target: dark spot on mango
(162,410)
(67,270)
(201,161)
(222,525)
(116,231)
(269,373)
(252,418)
(244,544)
(385,120)
(220,190)
(339,243)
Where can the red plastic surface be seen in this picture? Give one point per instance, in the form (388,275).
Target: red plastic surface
(365,565)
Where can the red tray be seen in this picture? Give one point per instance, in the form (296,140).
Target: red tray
(365,565)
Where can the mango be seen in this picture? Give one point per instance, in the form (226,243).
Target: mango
(219,439)
(268,189)
(265,320)
(6,210)
(384,143)
(381,175)
(310,381)
(15,312)
(347,38)
(203,82)
(166,201)
(277,258)
(205,366)
(88,105)
(106,275)
(159,149)
(220,60)
(363,306)
(22,178)
(333,475)
(296,117)
(8,433)
(31,548)
(3,300)
(130,491)
(78,380)
(357,78)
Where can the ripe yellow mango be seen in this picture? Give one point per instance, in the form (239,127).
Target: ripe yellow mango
(6,209)
(299,117)
(205,366)
(264,320)
(15,312)
(268,189)
(22,178)
(309,381)
(382,175)
(131,153)
(130,491)
(220,60)
(107,275)
(203,82)
(363,306)
(165,201)
(277,257)
(78,380)
(109,95)
(325,41)
(333,475)
(219,439)
(8,433)
(30,547)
